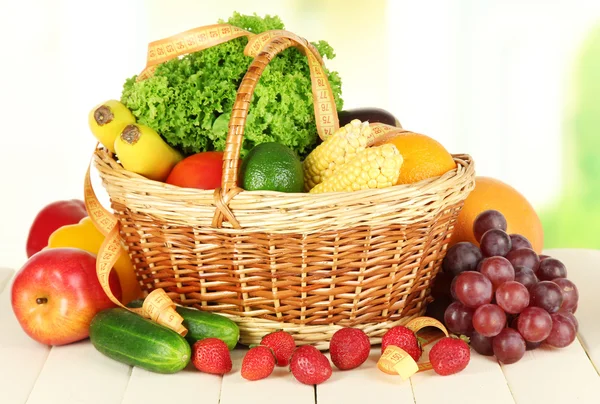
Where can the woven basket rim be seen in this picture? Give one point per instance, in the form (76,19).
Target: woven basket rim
(281,212)
(465,166)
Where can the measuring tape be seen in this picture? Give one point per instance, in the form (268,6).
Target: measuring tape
(201,38)
(193,40)
(157,306)
(396,361)
(380,132)
(324,104)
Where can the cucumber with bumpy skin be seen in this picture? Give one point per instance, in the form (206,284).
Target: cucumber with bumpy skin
(202,324)
(129,338)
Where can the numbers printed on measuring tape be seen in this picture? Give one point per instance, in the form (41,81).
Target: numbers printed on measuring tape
(204,37)
(190,41)
(109,252)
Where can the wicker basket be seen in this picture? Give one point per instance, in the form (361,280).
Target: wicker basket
(306,263)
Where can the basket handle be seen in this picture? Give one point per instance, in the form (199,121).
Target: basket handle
(327,120)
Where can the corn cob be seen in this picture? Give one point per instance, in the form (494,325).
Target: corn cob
(335,151)
(375,167)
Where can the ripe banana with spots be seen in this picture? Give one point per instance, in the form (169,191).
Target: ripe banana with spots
(142,150)
(107,121)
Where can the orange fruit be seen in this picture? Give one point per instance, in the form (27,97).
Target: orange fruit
(423,156)
(490,193)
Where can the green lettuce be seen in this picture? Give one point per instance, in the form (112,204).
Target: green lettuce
(189,99)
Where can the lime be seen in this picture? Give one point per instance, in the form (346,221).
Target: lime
(272,166)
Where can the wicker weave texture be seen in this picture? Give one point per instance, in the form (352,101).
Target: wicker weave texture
(339,258)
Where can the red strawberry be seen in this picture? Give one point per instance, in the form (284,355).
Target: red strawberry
(258,363)
(349,348)
(404,338)
(310,366)
(282,344)
(211,355)
(449,355)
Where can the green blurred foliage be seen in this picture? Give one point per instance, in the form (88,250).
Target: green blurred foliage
(572,220)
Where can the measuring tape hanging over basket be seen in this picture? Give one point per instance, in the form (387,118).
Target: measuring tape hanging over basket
(202,38)
(157,305)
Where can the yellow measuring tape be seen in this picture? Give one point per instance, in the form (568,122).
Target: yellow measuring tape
(380,132)
(324,104)
(396,361)
(201,38)
(157,305)
(193,40)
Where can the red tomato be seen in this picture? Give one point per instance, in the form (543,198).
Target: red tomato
(201,170)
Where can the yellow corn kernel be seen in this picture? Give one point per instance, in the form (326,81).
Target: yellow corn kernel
(335,151)
(374,167)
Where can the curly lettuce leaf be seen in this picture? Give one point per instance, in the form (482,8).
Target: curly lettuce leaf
(189,99)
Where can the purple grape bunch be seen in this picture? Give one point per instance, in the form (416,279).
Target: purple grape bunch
(504,296)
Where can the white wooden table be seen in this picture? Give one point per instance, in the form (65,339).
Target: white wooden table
(36,374)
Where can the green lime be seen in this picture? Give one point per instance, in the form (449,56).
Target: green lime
(272,166)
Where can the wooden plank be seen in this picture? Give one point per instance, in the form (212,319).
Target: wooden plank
(189,385)
(583,268)
(481,382)
(364,384)
(5,275)
(280,387)
(78,373)
(548,375)
(22,357)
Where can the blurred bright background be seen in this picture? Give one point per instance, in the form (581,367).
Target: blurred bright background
(514,83)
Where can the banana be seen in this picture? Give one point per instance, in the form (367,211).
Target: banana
(107,120)
(142,150)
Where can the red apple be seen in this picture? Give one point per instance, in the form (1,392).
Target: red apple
(56,294)
(53,216)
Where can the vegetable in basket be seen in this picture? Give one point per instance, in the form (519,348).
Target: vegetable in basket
(201,170)
(371,114)
(374,167)
(335,151)
(188,100)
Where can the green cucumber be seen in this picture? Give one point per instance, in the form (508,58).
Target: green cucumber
(203,324)
(129,338)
